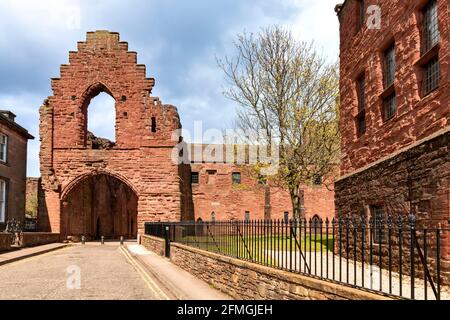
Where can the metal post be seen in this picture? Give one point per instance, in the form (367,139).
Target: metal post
(103,240)
(167,241)
(121,240)
(83,240)
(412,222)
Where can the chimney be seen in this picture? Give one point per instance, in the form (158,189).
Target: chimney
(11,116)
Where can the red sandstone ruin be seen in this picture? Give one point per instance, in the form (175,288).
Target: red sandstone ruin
(93,187)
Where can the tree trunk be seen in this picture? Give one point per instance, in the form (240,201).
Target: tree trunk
(267,206)
(298,203)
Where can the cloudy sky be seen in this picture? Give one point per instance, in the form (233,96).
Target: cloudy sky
(178,40)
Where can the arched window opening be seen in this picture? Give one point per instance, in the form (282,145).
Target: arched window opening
(100,120)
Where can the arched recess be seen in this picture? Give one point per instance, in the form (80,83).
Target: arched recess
(98,205)
(72,184)
(90,140)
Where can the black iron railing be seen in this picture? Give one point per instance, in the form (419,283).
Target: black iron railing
(393,257)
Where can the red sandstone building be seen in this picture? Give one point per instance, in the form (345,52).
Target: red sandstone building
(13,166)
(395,109)
(94,187)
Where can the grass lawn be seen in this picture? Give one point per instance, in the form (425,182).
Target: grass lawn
(253,248)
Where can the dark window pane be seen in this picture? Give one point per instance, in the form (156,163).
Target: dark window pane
(360,15)
(389,66)
(317,180)
(431,76)
(361,123)
(361,93)
(390,106)
(430,26)
(236,178)
(378,217)
(195,178)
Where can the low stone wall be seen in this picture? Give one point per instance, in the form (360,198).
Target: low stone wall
(5,241)
(154,244)
(248,281)
(31,239)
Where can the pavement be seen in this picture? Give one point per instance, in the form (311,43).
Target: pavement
(96,272)
(16,255)
(178,283)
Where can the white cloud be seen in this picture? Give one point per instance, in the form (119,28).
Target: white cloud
(178,49)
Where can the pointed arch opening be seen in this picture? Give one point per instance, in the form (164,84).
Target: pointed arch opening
(99,112)
(100,205)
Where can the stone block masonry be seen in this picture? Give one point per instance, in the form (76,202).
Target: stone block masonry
(416,180)
(247,281)
(395,136)
(5,241)
(140,159)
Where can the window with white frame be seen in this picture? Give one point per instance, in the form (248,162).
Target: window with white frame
(2,201)
(3,147)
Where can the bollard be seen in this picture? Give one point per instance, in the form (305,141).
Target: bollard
(121,240)
(103,240)
(83,240)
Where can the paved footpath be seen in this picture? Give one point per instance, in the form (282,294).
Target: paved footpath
(84,272)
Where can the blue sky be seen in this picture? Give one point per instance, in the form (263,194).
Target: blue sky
(178,40)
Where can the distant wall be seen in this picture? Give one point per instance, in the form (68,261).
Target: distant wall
(5,241)
(31,239)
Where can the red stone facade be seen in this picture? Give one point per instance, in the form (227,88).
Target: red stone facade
(362,54)
(13,170)
(94,187)
(216,193)
(400,163)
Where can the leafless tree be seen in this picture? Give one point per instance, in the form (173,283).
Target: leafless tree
(288,90)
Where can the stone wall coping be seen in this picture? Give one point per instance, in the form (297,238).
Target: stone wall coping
(40,233)
(396,153)
(154,238)
(297,279)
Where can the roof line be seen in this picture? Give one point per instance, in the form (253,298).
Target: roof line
(15,127)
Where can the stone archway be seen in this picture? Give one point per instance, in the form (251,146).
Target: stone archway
(139,161)
(100,205)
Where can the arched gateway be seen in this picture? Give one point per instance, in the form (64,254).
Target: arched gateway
(93,186)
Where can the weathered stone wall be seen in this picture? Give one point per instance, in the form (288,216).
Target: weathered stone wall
(5,241)
(31,239)
(417,180)
(216,193)
(153,244)
(141,156)
(361,52)
(247,281)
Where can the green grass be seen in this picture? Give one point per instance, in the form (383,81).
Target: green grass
(250,247)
